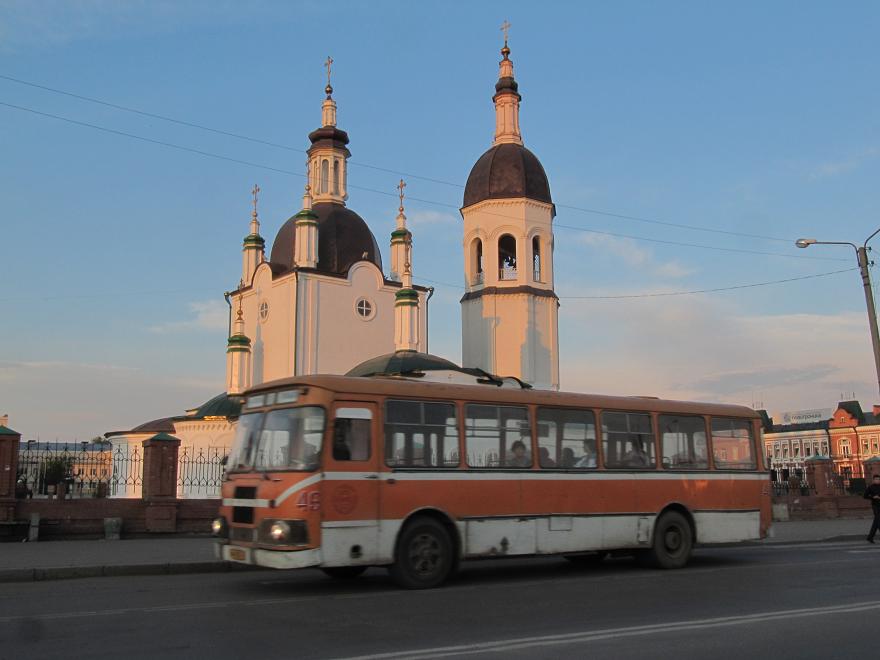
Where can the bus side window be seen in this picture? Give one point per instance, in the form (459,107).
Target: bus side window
(684,442)
(351,439)
(497,436)
(627,440)
(732,444)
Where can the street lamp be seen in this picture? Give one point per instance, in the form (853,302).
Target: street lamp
(862,258)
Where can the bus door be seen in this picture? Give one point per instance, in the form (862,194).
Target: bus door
(350,489)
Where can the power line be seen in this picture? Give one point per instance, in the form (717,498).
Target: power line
(119,294)
(237,136)
(674,224)
(269,143)
(694,245)
(674,293)
(715,290)
(106,294)
(240,161)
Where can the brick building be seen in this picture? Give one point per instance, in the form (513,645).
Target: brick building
(849,437)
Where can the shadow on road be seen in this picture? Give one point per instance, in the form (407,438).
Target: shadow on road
(480,573)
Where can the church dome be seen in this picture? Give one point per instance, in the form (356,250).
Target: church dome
(343,240)
(507,171)
(221,405)
(402,362)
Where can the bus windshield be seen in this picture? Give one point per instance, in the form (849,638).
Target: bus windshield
(285,439)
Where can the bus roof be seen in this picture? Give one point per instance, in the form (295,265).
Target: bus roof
(409,387)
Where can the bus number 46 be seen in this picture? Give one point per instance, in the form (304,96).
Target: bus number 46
(310,501)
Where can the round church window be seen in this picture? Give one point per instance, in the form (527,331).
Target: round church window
(264,310)
(365,309)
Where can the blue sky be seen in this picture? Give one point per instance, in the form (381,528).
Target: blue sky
(748,117)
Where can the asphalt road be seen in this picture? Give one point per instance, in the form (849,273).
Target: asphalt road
(819,600)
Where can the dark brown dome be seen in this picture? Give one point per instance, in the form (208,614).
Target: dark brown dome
(343,240)
(507,171)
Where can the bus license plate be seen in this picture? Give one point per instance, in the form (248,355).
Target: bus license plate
(238,554)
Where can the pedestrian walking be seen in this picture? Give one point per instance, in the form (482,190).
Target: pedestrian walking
(872,493)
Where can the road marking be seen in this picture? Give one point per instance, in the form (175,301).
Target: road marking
(613,633)
(818,545)
(861,552)
(570,579)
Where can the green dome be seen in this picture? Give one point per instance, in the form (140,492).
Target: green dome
(221,405)
(401,362)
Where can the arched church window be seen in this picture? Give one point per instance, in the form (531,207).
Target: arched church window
(536,258)
(477,261)
(325,176)
(507,257)
(335,177)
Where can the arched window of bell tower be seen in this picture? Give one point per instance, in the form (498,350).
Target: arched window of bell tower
(325,176)
(476,261)
(335,177)
(536,258)
(507,257)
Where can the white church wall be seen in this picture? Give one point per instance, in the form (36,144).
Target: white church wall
(341,338)
(203,443)
(268,315)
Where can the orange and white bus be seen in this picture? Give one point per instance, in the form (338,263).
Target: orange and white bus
(343,473)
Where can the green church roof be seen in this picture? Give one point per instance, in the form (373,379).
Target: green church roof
(221,405)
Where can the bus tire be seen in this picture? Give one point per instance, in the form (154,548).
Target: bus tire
(344,572)
(673,542)
(424,555)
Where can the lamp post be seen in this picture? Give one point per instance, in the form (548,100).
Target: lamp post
(862,258)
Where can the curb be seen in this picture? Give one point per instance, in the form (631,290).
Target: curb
(121,570)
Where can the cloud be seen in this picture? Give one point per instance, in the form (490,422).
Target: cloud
(673,270)
(209,315)
(834,168)
(705,348)
(761,378)
(75,400)
(636,256)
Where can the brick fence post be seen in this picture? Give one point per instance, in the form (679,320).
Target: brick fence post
(160,482)
(872,467)
(819,471)
(9,441)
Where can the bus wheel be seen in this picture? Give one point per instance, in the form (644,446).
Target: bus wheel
(424,555)
(673,542)
(344,572)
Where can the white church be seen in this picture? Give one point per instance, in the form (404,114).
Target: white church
(322,302)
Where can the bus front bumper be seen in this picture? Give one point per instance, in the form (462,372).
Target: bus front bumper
(268,558)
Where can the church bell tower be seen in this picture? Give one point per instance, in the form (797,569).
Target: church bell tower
(509,309)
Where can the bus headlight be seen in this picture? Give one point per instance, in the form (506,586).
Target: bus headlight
(279,531)
(218,527)
(283,532)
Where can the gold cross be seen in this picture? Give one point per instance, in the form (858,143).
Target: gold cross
(327,65)
(254,192)
(505,28)
(400,187)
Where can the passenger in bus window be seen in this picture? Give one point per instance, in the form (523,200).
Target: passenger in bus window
(568,459)
(544,459)
(636,457)
(520,457)
(588,460)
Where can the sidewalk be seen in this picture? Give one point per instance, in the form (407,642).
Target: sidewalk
(55,560)
(804,531)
